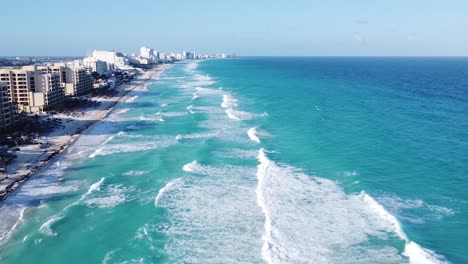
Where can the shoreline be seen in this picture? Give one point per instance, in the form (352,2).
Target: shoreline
(31,159)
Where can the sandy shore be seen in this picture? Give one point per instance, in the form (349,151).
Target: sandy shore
(31,158)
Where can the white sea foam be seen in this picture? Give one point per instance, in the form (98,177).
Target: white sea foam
(339,228)
(46,228)
(109,197)
(192,166)
(121,111)
(242,115)
(229,101)
(238,154)
(197,136)
(419,255)
(154,118)
(131,99)
(136,173)
(45,185)
(415,211)
(213,214)
(189,108)
(231,114)
(177,183)
(350,173)
(208,170)
(199,81)
(191,66)
(195,96)
(138,143)
(208,91)
(109,139)
(172,114)
(108,257)
(12,216)
(252,133)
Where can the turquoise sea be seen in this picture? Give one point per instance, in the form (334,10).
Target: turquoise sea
(261,160)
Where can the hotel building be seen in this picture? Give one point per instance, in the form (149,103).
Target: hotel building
(9,116)
(32,89)
(95,65)
(113,59)
(47,93)
(75,80)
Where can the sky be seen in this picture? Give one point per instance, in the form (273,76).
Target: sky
(246,27)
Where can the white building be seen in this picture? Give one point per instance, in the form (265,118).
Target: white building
(188,55)
(146,52)
(108,56)
(34,89)
(95,65)
(121,61)
(9,117)
(156,54)
(140,60)
(78,82)
(47,93)
(75,79)
(20,81)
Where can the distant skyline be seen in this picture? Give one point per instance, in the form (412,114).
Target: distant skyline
(248,28)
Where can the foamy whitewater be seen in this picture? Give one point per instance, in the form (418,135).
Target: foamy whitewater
(227,161)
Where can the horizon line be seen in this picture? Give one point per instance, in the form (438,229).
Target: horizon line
(253,56)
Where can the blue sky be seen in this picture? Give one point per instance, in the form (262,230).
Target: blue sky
(253,27)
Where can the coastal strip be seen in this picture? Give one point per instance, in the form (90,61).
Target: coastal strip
(22,170)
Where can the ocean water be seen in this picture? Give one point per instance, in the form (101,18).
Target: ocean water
(262,160)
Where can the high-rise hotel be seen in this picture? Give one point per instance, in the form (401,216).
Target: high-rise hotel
(9,116)
(32,89)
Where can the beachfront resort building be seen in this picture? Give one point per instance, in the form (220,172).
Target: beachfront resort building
(32,89)
(148,55)
(113,59)
(95,65)
(146,52)
(47,93)
(188,55)
(75,80)
(78,81)
(9,116)
(19,83)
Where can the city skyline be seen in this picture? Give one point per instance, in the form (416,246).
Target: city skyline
(262,28)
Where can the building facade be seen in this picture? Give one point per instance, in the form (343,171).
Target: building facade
(20,81)
(75,80)
(78,81)
(33,90)
(146,52)
(9,116)
(95,65)
(47,94)
(113,59)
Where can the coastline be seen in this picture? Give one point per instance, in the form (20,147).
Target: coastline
(31,158)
